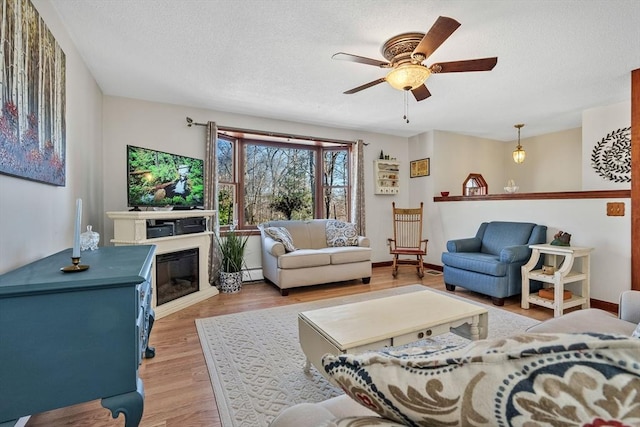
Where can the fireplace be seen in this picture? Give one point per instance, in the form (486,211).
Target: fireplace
(176,275)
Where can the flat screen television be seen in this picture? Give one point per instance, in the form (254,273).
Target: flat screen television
(160,179)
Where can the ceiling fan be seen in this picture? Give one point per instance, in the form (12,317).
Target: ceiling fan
(405,54)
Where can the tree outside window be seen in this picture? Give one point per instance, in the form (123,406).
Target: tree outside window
(226,181)
(281,181)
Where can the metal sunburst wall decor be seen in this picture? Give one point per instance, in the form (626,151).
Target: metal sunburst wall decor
(611,157)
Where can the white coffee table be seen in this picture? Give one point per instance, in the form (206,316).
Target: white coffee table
(385,322)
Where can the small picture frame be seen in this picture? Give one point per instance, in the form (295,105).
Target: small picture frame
(420,168)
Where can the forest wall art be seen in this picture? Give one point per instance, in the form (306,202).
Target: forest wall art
(32,79)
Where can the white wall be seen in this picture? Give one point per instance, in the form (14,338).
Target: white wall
(456,156)
(37,219)
(585,219)
(597,123)
(163,127)
(553,163)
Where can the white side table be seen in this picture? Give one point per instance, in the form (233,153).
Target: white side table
(564,273)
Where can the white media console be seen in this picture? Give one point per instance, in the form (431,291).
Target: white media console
(130,228)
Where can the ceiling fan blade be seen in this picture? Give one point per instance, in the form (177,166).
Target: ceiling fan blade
(421,93)
(482,64)
(364,86)
(360,59)
(439,32)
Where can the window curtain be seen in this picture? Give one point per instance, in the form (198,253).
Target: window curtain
(211,198)
(358,216)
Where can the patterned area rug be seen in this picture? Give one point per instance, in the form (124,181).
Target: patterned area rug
(255,362)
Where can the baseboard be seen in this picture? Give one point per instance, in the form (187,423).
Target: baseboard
(604,305)
(594,303)
(252,275)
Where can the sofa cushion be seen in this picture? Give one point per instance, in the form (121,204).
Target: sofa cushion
(636,332)
(304,258)
(281,235)
(475,261)
(500,234)
(307,234)
(340,233)
(555,379)
(348,254)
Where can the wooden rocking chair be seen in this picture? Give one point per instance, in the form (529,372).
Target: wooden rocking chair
(407,238)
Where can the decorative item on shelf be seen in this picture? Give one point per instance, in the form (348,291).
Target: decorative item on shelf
(89,239)
(519,153)
(475,185)
(444,193)
(548,293)
(561,239)
(548,270)
(381,155)
(231,246)
(511,186)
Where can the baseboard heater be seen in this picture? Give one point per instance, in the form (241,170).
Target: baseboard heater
(252,275)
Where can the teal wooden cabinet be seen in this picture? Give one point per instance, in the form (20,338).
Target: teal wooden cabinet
(67,338)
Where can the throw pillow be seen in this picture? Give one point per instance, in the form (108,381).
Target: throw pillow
(281,235)
(555,379)
(340,233)
(636,332)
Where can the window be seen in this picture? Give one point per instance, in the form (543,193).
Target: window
(262,179)
(227,185)
(336,184)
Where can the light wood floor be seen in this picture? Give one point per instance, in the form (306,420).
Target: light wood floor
(177,386)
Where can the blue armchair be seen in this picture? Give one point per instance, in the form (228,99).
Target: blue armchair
(490,262)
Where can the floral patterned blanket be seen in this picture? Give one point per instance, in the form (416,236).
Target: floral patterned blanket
(527,380)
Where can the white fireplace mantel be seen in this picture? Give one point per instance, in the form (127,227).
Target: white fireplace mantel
(130,228)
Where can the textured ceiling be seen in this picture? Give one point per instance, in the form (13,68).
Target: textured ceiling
(272,58)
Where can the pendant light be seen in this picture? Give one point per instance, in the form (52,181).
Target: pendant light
(519,153)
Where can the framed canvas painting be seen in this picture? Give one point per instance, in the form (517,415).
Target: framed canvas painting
(32,100)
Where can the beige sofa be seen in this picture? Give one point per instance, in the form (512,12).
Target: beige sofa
(314,261)
(328,412)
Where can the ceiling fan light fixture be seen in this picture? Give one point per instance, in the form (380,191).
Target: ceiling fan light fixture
(408,76)
(519,154)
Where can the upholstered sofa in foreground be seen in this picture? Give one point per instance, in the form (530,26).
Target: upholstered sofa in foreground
(490,262)
(312,252)
(579,379)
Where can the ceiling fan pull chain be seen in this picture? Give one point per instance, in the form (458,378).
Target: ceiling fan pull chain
(406,107)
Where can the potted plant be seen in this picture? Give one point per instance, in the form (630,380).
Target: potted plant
(232,246)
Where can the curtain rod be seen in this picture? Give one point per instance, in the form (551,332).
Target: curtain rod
(190,123)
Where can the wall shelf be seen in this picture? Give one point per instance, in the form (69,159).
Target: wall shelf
(599,194)
(386,175)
